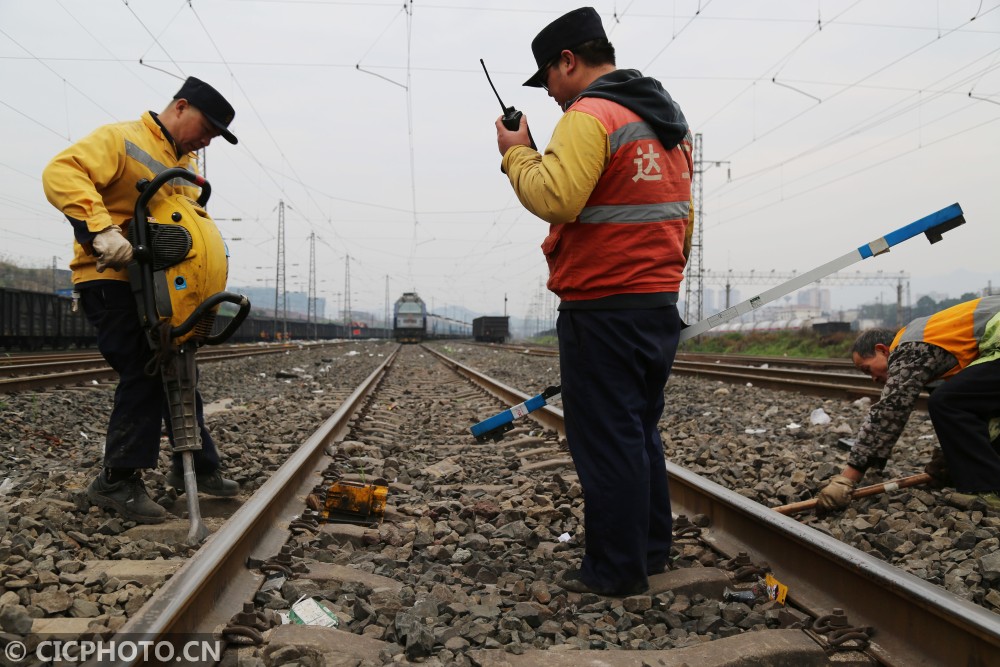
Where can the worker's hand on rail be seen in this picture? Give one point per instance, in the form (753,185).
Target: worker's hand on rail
(835,495)
(112,249)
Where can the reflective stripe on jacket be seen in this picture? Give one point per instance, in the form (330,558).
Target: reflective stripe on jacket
(94,181)
(629,237)
(960,330)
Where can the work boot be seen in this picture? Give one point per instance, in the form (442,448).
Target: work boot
(128,497)
(211,483)
(572,581)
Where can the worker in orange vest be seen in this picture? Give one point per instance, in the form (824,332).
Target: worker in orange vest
(961,345)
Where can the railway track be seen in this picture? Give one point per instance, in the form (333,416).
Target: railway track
(30,372)
(472,533)
(829,378)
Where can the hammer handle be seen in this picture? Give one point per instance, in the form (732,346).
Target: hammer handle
(874,489)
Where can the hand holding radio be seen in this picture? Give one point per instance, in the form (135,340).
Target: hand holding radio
(508,136)
(511,120)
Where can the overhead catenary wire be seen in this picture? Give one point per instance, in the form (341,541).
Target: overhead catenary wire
(871,74)
(677,34)
(859,170)
(251,104)
(494,225)
(155,38)
(871,122)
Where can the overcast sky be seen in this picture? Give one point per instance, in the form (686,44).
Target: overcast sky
(832,123)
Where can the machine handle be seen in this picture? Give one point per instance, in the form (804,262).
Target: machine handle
(211,302)
(149,188)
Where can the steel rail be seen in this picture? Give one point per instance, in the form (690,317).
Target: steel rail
(850,386)
(96,368)
(792,374)
(548,416)
(212,585)
(916,623)
(812,383)
(757,360)
(8,360)
(700,357)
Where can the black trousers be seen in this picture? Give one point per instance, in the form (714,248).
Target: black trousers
(614,365)
(961,410)
(140,406)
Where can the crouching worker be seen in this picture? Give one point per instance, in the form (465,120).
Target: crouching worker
(960,345)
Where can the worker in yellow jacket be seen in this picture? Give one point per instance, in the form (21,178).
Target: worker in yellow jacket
(93,183)
(961,345)
(614,184)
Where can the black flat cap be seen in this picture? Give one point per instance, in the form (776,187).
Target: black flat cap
(211,103)
(569,30)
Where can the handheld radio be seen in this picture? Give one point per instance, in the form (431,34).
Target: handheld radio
(511,116)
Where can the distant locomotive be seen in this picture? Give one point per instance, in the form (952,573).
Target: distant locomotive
(409,318)
(412,323)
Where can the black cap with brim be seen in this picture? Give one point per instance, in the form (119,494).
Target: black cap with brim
(569,30)
(211,104)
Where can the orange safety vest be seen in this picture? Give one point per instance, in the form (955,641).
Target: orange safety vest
(629,237)
(958,330)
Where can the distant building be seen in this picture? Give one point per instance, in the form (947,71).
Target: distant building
(815,297)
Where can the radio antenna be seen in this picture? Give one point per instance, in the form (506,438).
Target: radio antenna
(502,106)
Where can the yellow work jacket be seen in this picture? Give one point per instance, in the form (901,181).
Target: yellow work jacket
(969,331)
(94,180)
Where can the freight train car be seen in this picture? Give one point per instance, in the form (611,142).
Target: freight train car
(261,326)
(491,329)
(37,320)
(409,319)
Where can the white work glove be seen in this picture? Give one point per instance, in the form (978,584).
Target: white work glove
(111,248)
(835,495)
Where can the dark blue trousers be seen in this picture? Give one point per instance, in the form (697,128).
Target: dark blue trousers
(140,407)
(961,409)
(614,366)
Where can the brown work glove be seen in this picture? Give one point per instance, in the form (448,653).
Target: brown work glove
(835,495)
(937,468)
